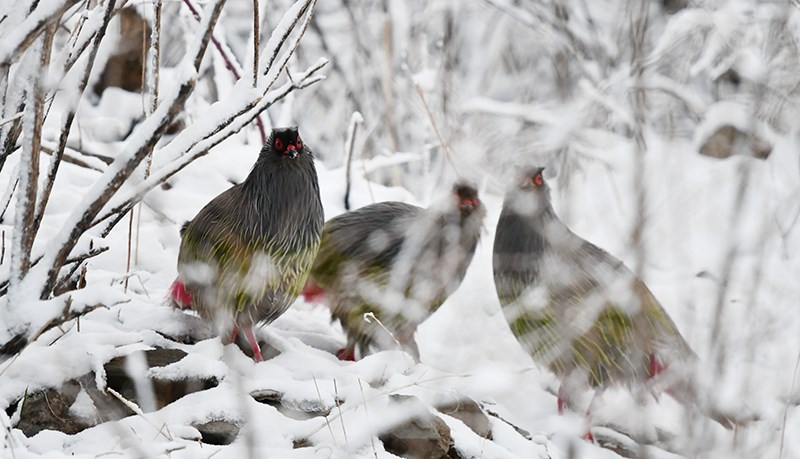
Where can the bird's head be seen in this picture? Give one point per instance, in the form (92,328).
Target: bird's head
(531,180)
(285,142)
(466,197)
(530,194)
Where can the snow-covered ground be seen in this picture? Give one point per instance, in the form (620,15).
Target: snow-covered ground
(721,248)
(466,347)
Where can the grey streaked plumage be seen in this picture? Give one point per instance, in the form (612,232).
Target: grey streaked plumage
(397,261)
(245,257)
(575,308)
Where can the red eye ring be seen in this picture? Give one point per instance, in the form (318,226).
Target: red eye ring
(279,144)
(299,143)
(537,179)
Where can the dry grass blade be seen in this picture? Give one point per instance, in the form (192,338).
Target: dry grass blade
(445,148)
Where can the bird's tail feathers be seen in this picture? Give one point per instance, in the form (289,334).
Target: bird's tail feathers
(682,383)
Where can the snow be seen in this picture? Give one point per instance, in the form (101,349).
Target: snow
(704,218)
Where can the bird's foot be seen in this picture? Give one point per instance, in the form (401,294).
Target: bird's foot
(346,354)
(588,436)
(251,338)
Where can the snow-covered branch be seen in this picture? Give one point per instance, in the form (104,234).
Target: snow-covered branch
(139,145)
(21,37)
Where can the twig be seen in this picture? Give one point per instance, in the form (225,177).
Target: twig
(324,412)
(12,185)
(339,408)
(388,89)
(370,316)
(151,129)
(69,158)
(24,231)
(138,411)
(256,33)
(230,64)
(69,117)
(366,413)
(128,258)
(355,121)
(384,393)
(445,148)
(786,409)
(10,119)
(14,45)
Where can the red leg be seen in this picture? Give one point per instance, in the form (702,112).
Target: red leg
(562,399)
(234,334)
(251,337)
(588,435)
(656,367)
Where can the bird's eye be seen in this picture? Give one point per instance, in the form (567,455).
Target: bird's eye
(279,144)
(536,180)
(299,143)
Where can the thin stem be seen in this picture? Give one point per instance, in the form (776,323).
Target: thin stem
(256,32)
(152,129)
(69,116)
(355,120)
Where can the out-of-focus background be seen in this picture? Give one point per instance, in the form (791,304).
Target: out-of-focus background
(667,129)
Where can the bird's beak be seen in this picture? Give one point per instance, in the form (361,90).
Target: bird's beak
(468,205)
(292,151)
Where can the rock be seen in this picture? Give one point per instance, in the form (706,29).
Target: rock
(522,432)
(470,413)
(728,140)
(295,409)
(13,347)
(267,396)
(423,436)
(50,409)
(219,432)
(301,443)
(165,391)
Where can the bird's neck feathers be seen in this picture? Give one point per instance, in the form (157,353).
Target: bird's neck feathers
(278,187)
(533,206)
(446,213)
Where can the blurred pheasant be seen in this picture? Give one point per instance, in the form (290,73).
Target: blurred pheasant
(397,261)
(245,257)
(575,308)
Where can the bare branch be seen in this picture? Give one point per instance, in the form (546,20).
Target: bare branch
(22,36)
(24,232)
(231,64)
(72,158)
(256,33)
(69,117)
(142,142)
